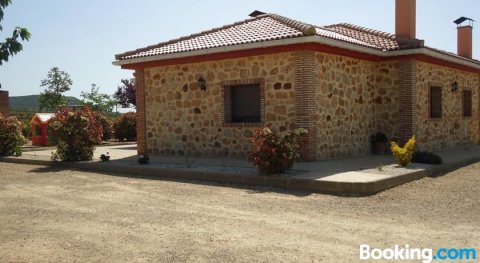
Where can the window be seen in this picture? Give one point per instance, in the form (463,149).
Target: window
(38,130)
(243,103)
(467,103)
(435,102)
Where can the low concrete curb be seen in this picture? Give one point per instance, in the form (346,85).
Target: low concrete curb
(284,182)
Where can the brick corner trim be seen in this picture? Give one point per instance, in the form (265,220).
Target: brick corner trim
(305,104)
(141,111)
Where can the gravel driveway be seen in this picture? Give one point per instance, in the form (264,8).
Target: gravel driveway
(48,214)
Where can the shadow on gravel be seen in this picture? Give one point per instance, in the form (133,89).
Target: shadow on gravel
(269,189)
(440,171)
(251,189)
(48,169)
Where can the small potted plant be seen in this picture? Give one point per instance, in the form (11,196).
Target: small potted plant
(379,143)
(105,157)
(143,159)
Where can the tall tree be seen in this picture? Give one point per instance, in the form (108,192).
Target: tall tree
(56,83)
(12,45)
(97,100)
(125,94)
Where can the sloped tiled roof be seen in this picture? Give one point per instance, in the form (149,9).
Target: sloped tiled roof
(269,27)
(43,117)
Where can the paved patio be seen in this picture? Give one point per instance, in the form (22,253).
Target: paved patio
(351,176)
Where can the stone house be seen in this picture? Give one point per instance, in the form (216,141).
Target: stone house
(204,94)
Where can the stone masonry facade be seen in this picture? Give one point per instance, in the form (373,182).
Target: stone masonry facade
(183,120)
(452,129)
(346,106)
(340,100)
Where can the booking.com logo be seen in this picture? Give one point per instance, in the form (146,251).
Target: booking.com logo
(426,255)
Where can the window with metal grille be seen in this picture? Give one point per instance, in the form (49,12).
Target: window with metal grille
(467,103)
(243,103)
(435,102)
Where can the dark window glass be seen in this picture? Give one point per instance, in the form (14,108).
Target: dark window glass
(245,103)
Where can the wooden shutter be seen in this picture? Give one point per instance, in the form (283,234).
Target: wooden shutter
(246,103)
(467,103)
(435,102)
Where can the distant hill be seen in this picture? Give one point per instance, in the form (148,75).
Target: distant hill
(30,103)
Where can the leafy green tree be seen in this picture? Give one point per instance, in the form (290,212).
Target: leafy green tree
(126,94)
(11,45)
(56,83)
(97,100)
(124,127)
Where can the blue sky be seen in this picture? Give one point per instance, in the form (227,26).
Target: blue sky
(82,36)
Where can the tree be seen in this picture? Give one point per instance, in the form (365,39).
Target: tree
(125,94)
(56,83)
(98,101)
(12,45)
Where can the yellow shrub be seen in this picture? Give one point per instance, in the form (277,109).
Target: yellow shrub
(403,154)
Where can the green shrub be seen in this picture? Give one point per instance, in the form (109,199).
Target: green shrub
(78,133)
(273,153)
(125,127)
(11,137)
(426,157)
(52,137)
(18,151)
(27,130)
(107,127)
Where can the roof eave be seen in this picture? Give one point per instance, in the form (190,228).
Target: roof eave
(199,52)
(303,40)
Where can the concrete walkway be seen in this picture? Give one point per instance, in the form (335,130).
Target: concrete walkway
(352,176)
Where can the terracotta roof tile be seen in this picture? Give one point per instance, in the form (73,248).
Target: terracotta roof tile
(269,27)
(261,28)
(43,117)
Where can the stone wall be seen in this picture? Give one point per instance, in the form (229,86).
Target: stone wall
(387,104)
(452,129)
(352,100)
(183,120)
(346,105)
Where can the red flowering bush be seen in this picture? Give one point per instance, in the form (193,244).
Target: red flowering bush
(78,133)
(11,138)
(106,126)
(273,153)
(125,127)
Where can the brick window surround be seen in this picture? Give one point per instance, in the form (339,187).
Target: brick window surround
(467,103)
(229,89)
(435,102)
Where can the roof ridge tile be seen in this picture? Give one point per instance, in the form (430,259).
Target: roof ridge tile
(305,28)
(403,42)
(365,29)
